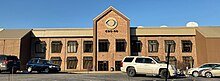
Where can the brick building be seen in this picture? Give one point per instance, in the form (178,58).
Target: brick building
(111,38)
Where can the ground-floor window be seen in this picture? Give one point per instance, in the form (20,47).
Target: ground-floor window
(172,60)
(188,62)
(72,62)
(102,65)
(56,60)
(87,63)
(117,65)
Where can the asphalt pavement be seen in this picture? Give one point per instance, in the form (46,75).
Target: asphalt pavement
(91,77)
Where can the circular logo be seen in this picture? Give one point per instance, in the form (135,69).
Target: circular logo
(111,23)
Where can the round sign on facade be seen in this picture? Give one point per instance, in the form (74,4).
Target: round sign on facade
(111,23)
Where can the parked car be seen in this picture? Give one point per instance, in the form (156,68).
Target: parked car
(213,72)
(42,65)
(9,63)
(195,72)
(146,65)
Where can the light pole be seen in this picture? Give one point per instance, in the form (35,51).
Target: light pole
(168,59)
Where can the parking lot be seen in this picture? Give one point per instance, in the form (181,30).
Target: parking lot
(91,77)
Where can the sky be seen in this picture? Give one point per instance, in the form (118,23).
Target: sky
(19,14)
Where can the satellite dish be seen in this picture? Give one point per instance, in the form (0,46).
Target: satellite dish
(163,26)
(192,24)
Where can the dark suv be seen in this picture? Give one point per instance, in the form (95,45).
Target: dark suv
(41,65)
(9,63)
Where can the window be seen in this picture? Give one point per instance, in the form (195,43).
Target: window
(56,60)
(208,65)
(102,65)
(72,62)
(87,63)
(153,46)
(136,46)
(187,62)
(172,60)
(103,45)
(56,46)
(88,46)
(217,67)
(144,60)
(186,46)
(128,59)
(33,61)
(40,47)
(120,45)
(117,65)
(72,46)
(172,46)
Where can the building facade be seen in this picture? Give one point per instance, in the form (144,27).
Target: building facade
(102,47)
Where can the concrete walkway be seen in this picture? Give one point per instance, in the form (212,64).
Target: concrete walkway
(95,72)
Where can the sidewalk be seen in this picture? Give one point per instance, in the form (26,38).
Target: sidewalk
(94,72)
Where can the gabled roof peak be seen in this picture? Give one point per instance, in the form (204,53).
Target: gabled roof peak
(111,8)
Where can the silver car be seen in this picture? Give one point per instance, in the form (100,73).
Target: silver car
(214,71)
(195,72)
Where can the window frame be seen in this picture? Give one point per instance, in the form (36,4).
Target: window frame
(118,47)
(69,50)
(42,46)
(103,42)
(88,59)
(190,47)
(172,47)
(85,47)
(151,43)
(73,59)
(58,46)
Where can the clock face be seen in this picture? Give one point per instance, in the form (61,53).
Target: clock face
(111,23)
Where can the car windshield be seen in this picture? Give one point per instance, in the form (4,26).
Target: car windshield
(157,60)
(49,62)
(46,62)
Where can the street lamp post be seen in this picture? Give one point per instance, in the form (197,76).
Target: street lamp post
(168,59)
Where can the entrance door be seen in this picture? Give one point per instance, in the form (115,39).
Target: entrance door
(102,65)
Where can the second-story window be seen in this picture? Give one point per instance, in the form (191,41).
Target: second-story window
(186,46)
(120,45)
(153,46)
(56,46)
(72,46)
(172,46)
(103,45)
(40,47)
(136,46)
(88,46)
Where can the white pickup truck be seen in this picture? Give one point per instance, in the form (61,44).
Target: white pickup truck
(133,65)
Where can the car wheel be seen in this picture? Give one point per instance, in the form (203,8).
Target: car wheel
(29,69)
(131,72)
(163,74)
(195,74)
(46,70)
(208,75)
